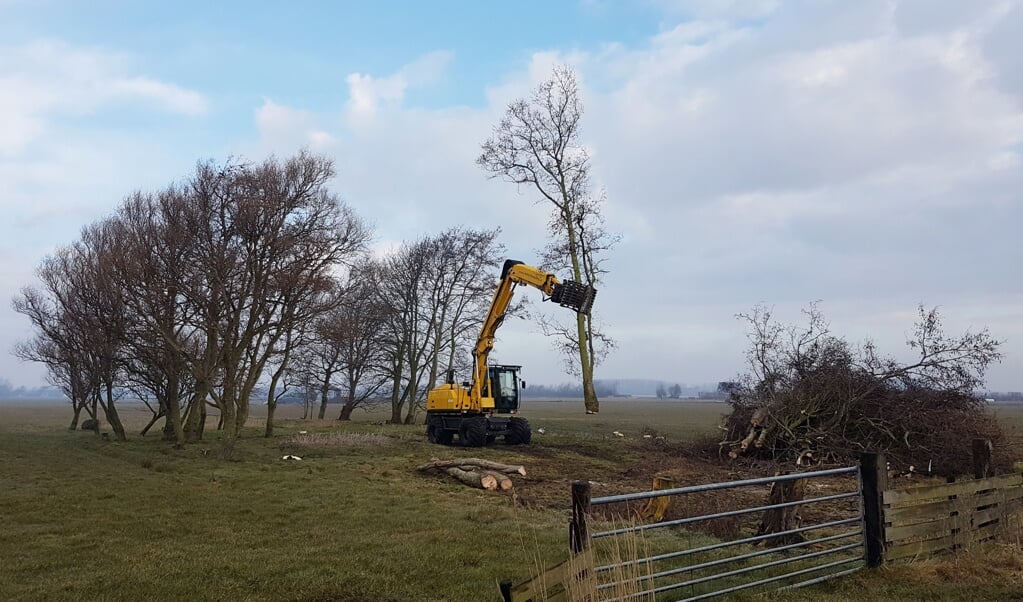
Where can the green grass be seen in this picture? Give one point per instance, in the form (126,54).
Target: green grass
(82,518)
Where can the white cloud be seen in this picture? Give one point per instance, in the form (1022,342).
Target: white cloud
(285,129)
(49,78)
(734,9)
(368,94)
(167,96)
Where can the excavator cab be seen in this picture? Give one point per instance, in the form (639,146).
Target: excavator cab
(504,382)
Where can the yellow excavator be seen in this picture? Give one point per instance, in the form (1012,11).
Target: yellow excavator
(480,411)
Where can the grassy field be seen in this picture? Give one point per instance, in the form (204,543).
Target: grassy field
(82,518)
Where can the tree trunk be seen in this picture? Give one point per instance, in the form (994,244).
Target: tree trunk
(241,414)
(271,408)
(479,480)
(590,401)
(77,409)
(174,418)
(410,414)
(112,416)
(779,520)
(156,417)
(324,393)
(346,410)
(195,416)
(469,463)
(94,412)
(227,417)
(397,401)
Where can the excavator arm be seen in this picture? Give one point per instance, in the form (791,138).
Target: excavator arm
(570,294)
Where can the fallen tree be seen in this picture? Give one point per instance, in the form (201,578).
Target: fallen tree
(476,472)
(811,397)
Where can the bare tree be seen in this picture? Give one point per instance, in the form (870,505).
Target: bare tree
(433,294)
(92,320)
(536,143)
(149,266)
(276,236)
(463,264)
(56,345)
(402,289)
(356,326)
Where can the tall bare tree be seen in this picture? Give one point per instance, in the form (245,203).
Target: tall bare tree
(402,289)
(273,234)
(463,264)
(536,143)
(80,325)
(356,326)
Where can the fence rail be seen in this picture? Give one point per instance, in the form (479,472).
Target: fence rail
(950,516)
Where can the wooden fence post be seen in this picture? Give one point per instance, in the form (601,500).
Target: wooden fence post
(578,530)
(982,459)
(874,479)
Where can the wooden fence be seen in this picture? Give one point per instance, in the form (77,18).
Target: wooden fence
(948,517)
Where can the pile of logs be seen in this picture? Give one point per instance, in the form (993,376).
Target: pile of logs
(474,472)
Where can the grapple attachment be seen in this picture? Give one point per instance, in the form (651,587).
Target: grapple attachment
(574,295)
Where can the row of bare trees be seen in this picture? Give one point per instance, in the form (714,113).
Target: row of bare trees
(401,322)
(247,278)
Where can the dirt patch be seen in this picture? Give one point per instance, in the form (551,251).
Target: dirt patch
(625,466)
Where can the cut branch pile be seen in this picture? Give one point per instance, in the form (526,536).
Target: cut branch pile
(474,472)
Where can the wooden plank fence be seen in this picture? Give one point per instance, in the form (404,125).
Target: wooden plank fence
(930,519)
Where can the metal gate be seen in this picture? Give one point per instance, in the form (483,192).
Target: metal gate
(635,562)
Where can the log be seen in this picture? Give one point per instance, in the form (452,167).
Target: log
(478,480)
(477,463)
(503,482)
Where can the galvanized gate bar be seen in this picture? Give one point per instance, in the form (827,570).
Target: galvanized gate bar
(812,569)
(765,565)
(747,556)
(727,544)
(693,519)
(643,495)
(821,579)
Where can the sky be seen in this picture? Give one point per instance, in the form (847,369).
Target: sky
(867,156)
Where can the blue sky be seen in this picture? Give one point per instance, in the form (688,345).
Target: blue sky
(868,155)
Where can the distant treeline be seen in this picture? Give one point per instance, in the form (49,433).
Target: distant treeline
(8,391)
(627,387)
(569,390)
(1008,396)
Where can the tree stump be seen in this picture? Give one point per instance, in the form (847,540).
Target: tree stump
(780,520)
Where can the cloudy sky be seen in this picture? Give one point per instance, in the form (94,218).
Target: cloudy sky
(865,154)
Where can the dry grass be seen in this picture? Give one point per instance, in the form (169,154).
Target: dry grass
(338,440)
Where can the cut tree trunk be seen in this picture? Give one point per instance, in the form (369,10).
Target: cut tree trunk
(474,472)
(503,482)
(486,464)
(780,520)
(479,480)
